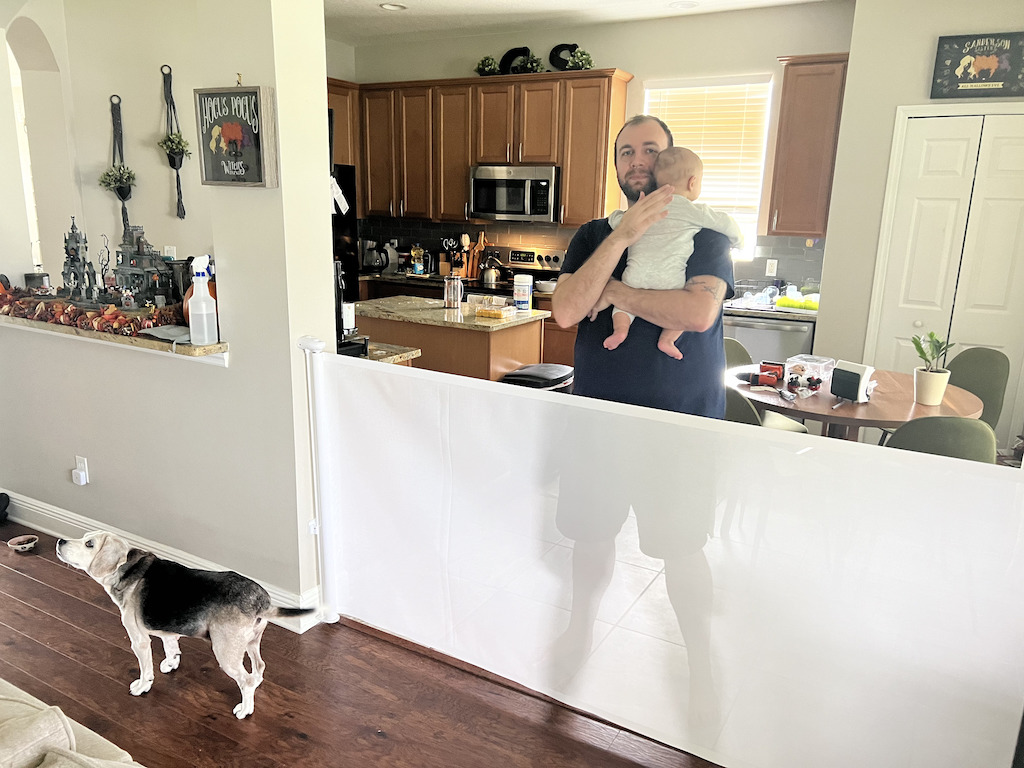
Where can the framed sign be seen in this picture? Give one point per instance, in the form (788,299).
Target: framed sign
(979,66)
(237,136)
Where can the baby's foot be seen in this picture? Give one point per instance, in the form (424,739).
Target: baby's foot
(615,339)
(668,348)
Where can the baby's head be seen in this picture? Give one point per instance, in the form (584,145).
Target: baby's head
(681,168)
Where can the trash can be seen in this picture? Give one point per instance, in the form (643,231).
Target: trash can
(549,376)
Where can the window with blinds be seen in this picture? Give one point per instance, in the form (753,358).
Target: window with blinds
(727,125)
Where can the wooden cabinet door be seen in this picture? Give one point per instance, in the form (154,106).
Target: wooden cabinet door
(413,152)
(343,102)
(377,126)
(493,125)
(453,151)
(805,153)
(585,158)
(538,121)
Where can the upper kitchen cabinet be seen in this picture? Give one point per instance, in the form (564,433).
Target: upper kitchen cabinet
(595,108)
(343,102)
(812,101)
(453,151)
(397,151)
(517,123)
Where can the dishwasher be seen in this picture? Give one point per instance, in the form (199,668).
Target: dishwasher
(775,339)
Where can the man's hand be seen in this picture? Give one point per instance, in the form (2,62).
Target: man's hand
(603,302)
(642,214)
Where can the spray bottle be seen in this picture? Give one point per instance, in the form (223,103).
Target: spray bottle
(202,308)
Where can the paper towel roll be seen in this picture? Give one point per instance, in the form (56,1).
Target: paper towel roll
(348,316)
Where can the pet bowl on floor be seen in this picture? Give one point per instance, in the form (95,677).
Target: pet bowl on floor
(22,543)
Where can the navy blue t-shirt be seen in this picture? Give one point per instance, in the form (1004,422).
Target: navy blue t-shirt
(637,372)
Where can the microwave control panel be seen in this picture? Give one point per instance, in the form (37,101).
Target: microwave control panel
(525,257)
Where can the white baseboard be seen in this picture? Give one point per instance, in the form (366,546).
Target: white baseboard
(69,525)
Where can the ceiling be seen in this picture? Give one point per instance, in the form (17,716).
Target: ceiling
(361,22)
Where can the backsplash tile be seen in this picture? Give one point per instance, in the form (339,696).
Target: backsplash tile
(799,263)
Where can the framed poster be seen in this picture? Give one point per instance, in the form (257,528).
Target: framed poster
(979,66)
(237,136)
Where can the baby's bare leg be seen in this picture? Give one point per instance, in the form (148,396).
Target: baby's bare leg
(620,328)
(667,343)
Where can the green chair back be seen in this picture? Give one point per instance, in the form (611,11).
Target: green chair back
(947,436)
(739,409)
(984,372)
(736,353)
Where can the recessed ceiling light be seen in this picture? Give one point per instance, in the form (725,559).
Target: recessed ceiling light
(393,7)
(683,5)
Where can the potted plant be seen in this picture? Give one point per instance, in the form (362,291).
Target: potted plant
(930,379)
(579,59)
(176,147)
(488,65)
(119,179)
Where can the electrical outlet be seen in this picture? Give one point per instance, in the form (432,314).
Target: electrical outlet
(771,266)
(170,252)
(80,474)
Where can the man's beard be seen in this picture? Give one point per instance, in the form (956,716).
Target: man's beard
(632,193)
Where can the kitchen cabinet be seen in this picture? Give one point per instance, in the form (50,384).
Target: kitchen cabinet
(559,343)
(343,102)
(453,151)
(805,151)
(595,108)
(517,123)
(397,152)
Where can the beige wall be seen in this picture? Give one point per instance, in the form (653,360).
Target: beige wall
(891,59)
(208,460)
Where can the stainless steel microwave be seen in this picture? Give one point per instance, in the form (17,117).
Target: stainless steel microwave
(514,192)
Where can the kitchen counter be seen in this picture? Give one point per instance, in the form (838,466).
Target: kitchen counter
(451,340)
(392,353)
(414,309)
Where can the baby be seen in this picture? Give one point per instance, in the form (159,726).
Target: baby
(658,259)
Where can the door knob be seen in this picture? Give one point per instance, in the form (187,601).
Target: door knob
(918,324)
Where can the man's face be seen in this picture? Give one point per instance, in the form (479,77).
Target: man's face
(637,149)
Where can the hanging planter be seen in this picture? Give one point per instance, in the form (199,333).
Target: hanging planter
(119,179)
(173,143)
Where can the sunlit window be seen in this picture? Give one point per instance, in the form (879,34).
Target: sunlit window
(727,125)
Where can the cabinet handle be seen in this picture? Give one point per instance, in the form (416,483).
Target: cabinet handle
(520,151)
(401,208)
(391,207)
(561,214)
(775,219)
(467,211)
(508,153)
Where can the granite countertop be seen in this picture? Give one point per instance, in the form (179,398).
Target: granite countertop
(414,309)
(391,353)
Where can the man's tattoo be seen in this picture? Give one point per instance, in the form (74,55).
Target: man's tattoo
(715,287)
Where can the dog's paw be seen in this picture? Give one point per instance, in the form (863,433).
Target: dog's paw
(140,686)
(170,664)
(243,710)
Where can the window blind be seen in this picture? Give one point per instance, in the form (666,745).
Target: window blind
(727,125)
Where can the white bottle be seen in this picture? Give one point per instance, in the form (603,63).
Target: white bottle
(202,308)
(522,292)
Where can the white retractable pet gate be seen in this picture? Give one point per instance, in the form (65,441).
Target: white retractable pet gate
(757,598)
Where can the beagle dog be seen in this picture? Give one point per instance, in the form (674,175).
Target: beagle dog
(168,600)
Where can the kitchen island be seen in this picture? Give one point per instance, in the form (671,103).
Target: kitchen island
(454,340)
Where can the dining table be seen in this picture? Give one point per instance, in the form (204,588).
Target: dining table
(891,403)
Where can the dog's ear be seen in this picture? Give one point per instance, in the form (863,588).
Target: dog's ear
(111,553)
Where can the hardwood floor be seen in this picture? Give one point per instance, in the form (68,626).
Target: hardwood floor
(339,695)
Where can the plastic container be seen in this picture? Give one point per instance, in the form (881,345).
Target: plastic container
(202,307)
(810,365)
(522,292)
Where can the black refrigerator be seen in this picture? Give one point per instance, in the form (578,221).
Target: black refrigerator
(345,242)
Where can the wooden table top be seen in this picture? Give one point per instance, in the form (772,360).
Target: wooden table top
(891,405)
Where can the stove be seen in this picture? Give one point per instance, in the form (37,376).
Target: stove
(527,258)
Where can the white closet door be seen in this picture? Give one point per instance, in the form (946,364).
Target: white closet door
(989,307)
(929,223)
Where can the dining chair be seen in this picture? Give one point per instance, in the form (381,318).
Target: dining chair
(742,411)
(983,372)
(954,436)
(736,353)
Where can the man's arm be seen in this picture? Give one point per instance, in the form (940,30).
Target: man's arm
(694,307)
(577,293)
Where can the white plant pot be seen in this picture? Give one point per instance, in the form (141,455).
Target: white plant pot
(930,386)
